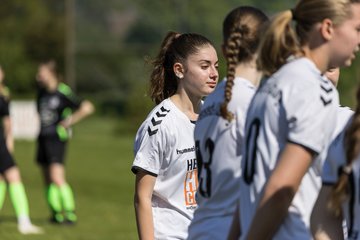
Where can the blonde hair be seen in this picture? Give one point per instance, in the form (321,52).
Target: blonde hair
(282,40)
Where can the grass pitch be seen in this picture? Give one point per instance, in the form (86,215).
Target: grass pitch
(98,168)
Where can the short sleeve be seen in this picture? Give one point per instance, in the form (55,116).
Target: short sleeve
(148,149)
(70,99)
(311,115)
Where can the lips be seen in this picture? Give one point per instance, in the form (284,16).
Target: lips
(211,84)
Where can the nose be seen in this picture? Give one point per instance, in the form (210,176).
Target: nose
(214,74)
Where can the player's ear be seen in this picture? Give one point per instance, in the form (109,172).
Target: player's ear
(327,29)
(178,70)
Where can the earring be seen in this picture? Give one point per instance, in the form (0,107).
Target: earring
(179,75)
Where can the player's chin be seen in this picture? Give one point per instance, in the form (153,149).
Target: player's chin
(209,90)
(348,61)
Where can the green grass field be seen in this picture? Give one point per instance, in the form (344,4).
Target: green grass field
(98,169)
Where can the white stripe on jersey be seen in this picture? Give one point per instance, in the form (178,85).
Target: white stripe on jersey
(219,140)
(164,146)
(296,104)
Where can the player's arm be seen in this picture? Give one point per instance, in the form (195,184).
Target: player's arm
(144,186)
(279,192)
(324,223)
(86,108)
(235,229)
(8,134)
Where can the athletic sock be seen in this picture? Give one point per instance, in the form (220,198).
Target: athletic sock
(68,202)
(54,201)
(21,206)
(19,199)
(2,193)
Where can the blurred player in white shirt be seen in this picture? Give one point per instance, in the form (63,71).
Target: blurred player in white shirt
(292,117)
(219,130)
(185,70)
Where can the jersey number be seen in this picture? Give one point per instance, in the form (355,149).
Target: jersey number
(204,167)
(251,146)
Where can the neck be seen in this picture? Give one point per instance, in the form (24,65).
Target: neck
(317,56)
(249,72)
(52,85)
(188,104)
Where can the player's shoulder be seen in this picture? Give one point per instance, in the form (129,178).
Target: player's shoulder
(64,89)
(303,77)
(158,118)
(300,71)
(5,93)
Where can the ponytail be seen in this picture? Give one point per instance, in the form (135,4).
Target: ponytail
(279,42)
(157,90)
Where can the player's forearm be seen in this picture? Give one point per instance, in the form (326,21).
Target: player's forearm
(144,218)
(8,134)
(271,213)
(324,223)
(86,109)
(235,230)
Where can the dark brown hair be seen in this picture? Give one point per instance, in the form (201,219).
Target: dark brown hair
(174,48)
(241,29)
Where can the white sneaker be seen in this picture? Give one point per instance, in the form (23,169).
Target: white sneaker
(30,229)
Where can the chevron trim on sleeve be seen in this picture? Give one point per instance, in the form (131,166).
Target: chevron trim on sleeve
(325,94)
(156,120)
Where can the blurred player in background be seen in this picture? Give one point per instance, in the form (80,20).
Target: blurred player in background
(185,70)
(219,130)
(8,169)
(292,117)
(59,108)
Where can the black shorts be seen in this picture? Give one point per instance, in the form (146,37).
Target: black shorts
(6,160)
(50,150)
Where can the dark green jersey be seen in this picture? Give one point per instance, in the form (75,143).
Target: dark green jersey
(53,107)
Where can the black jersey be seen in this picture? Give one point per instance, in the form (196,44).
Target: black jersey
(53,107)
(4,109)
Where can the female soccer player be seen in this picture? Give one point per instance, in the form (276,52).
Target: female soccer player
(326,220)
(184,71)
(8,168)
(292,116)
(219,130)
(58,109)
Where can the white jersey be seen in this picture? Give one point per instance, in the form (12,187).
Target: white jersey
(218,144)
(335,160)
(297,105)
(164,147)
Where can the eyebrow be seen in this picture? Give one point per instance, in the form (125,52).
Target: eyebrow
(208,61)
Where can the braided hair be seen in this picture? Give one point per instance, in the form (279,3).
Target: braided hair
(241,39)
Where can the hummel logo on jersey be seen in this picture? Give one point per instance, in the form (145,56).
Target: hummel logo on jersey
(185,150)
(152,129)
